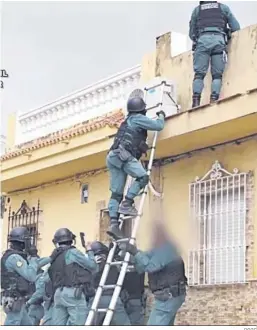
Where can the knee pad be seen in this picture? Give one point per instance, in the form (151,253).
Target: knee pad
(117,197)
(199,76)
(143,181)
(217,76)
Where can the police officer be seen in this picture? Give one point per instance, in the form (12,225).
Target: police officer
(18,274)
(166,275)
(209,33)
(44,293)
(123,159)
(120,316)
(34,304)
(133,296)
(71,274)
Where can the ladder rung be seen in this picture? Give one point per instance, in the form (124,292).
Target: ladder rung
(125,217)
(110,286)
(102,310)
(116,263)
(123,240)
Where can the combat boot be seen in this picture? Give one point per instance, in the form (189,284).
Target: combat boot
(114,230)
(214,97)
(127,208)
(196,100)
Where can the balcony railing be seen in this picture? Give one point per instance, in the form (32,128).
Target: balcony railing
(93,101)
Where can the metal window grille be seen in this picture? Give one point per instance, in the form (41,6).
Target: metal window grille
(218,215)
(25,217)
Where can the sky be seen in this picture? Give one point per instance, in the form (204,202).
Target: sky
(51,49)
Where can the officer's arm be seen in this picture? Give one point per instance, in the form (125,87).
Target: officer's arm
(232,21)
(156,261)
(40,291)
(43,261)
(193,25)
(144,122)
(86,261)
(28,271)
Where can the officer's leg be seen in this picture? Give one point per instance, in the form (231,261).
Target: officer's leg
(164,312)
(26,319)
(48,312)
(78,310)
(117,183)
(120,317)
(135,169)
(60,314)
(135,311)
(201,59)
(218,63)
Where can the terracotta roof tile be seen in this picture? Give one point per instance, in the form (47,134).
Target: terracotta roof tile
(112,119)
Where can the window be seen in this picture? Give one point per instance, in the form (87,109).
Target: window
(218,214)
(25,217)
(84,193)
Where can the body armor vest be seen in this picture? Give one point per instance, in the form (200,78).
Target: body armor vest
(133,140)
(112,278)
(210,16)
(134,284)
(12,283)
(72,275)
(172,274)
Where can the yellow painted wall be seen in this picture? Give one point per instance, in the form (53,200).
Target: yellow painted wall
(62,208)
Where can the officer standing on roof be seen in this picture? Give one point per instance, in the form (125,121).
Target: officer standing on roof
(166,275)
(120,316)
(71,274)
(34,304)
(18,275)
(123,159)
(210,35)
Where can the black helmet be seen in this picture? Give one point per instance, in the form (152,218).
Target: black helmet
(99,248)
(136,104)
(18,234)
(63,235)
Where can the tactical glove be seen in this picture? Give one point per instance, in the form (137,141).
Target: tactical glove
(127,247)
(161,113)
(33,251)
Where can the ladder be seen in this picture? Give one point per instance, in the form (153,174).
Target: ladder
(110,259)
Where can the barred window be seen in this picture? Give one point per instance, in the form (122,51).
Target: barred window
(218,215)
(25,217)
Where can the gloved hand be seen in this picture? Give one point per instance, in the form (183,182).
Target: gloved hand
(33,251)
(127,247)
(161,113)
(27,305)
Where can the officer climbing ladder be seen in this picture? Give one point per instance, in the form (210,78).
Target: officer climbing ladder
(110,259)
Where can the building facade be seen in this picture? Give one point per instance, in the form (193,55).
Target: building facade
(205,164)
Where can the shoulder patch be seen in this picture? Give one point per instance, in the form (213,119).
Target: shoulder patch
(19,264)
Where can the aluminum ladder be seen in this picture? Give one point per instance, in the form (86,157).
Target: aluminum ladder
(110,259)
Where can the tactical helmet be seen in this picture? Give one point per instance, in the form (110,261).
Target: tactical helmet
(99,248)
(136,104)
(203,2)
(63,235)
(18,234)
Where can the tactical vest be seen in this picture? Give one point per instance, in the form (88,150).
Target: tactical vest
(210,16)
(172,274)
(72,275)
(133,140)
(13,284)
(134,284)
(112,278)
